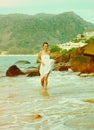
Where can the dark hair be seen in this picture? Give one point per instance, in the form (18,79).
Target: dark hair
(45,43)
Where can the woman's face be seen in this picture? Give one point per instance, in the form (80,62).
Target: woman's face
(45,46)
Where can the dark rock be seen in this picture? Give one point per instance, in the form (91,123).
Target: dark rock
(78,51)
(63,68)
(14,71)
(22,62)
(33,73)
(82,64)
(57,57)
(89,49)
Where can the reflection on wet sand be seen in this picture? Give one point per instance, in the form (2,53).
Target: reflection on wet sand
(31,118)
(11,96)
(5,124)
(67,105)
(45,92)
(2,111)
(89,100)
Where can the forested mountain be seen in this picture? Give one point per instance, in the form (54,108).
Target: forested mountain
(24,34)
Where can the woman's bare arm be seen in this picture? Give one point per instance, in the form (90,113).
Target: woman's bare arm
(39,58)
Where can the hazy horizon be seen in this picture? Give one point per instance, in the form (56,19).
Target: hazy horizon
(83,8)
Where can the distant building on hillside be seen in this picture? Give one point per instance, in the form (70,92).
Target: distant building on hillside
(88,34)
(70,45)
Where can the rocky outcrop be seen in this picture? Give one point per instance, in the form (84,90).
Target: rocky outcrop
(34,72)
(78,51)
(85,50)
(22,62)
(82,64)
(60,57)
(61,67)
(89,49)
(82,59)
(14,71)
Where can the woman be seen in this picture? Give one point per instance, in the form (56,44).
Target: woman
(46,64)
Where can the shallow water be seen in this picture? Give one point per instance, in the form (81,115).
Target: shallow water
(62,106)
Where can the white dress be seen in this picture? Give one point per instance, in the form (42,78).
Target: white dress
(49,63)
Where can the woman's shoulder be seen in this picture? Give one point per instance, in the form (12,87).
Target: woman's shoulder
(40,53)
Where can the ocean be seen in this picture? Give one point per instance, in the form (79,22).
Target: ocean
(68,103)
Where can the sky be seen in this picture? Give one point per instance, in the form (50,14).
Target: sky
(83,8)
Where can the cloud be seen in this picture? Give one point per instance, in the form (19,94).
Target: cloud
(85,8)
(10,3)
(87,14)
(47,3)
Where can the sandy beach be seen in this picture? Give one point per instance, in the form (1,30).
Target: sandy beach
(67,104)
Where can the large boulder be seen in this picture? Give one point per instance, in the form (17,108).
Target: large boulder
(57,57)
(89,49)
(22,62)
(61,66)
(31,73)
(85,50)
(77,51)
(14,71)
(83,64)
(60,57)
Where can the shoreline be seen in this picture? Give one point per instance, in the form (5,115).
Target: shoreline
(21,55)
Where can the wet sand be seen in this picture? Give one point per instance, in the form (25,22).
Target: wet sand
(67,105)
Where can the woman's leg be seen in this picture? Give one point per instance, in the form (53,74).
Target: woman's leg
(42,82)
(45,81)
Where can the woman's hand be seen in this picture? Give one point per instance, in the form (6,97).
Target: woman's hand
(42,63)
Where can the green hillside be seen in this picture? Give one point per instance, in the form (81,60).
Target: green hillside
(24,34)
